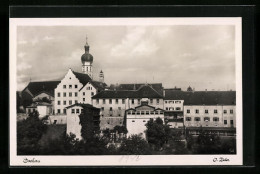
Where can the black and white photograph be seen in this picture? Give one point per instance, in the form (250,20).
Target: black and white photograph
(125,91)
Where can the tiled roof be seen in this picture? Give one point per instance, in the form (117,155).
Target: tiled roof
(83,78)
(83,106)
(135,86)
(143,92)
(99,85)
(47,86)
(202,97)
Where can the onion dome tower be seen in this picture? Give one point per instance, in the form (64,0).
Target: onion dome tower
(87,60)
(101,77)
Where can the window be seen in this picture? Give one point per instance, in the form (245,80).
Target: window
(70,86)
(156,112)
(70,94)
(70,102)
(157,101)
(123,101)
(119,108)
(165,101)
(129,112)
(215,119)
(77,111)
(110,101)
(178,102)
(138,113)
(206,119)
(104,101)
(133,120)
(147,112)
(76,101)
(231,111)
(82,110)
(188,118)
(111,109)
(144,121)
(196,111)
(58,94)
(97,101)
(139,101)
(83,93)
(83,99)
(64,86)
(133,101)
(225,111)
(64,94)
(64,111)
(92,93)
(64,102)
(151,112)
(151,101)
(188,111)
(58,111)
(72,111)
(215,111)
(167,108)
(116,101)
(76,94)
(76,86)
(58,102)
(142,112)
(231,122)
(161,112)
(197,118)
(178,108)
(206,111)
(225,121)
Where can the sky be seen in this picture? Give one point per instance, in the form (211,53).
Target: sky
(200,56)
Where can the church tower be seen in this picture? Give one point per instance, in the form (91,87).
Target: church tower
(101,77)
(87,60)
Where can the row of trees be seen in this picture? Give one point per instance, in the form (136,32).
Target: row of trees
(160,140)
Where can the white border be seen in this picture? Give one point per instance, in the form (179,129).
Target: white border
(144,160)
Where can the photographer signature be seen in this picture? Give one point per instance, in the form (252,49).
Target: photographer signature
(220,159)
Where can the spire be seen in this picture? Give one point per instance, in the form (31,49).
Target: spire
(86,45)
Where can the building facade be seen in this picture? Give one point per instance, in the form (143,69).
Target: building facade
(114,103)
(137,117)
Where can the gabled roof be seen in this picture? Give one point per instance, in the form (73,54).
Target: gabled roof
(89,106)
(83,78)
(98,85)
(37,87)
(143,92)
(135,86)
(202,97)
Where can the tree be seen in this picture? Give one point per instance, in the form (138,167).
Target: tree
(134,145)
(29,132)
(157,133)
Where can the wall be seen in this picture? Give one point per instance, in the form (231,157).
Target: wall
(69,79)
(172,105)
(86,93)
(60,119)
(210,114)
(44,110)
(135,124)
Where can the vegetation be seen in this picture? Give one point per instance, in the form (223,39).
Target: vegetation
(157,133)
(29,132)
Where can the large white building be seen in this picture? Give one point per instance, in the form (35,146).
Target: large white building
(137,117)
(114,103)
(77,87)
